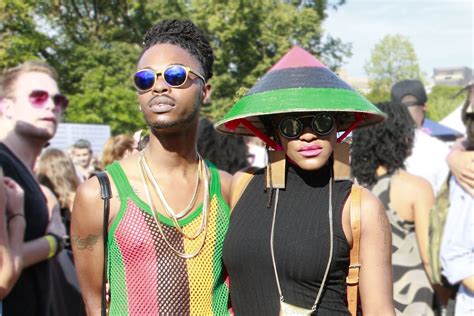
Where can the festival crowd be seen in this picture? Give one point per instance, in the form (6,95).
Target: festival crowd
(303,199)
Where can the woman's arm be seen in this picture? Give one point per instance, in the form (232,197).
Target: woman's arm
(375,283)
(422,203)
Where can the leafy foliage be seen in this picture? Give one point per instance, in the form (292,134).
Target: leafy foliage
(441,101)
(392,59)
(94,45)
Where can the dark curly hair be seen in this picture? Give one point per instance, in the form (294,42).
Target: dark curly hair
(387,144)
(227,152)
(184,34)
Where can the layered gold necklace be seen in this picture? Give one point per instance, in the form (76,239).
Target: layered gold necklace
(148,177)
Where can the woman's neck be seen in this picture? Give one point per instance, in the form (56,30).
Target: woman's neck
(381,171)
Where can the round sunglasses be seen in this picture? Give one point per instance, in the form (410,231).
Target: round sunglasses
(321,124)
(174,76)
(39,98)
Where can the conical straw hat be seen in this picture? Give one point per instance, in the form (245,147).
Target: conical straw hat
(300,83)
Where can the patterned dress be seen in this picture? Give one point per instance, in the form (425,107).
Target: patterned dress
(146,277)
(412,291)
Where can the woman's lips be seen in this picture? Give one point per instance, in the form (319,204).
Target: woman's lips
(310,151)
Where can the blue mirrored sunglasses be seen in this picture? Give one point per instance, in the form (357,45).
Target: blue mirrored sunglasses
(173,75)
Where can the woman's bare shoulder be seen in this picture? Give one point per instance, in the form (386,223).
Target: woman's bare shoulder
(412,184)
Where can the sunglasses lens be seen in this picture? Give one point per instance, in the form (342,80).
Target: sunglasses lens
(323,124)
(144,79)
(175,75)
(290,127)
(61,101)
(39,97)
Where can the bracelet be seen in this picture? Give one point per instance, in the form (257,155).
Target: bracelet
(13,216)
(53,245)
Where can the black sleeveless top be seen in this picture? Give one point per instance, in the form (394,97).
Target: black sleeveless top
(30,294)
(301,244)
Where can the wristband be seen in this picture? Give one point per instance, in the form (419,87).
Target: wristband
(53,245)
(13,216)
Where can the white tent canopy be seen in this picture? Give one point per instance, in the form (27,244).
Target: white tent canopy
(453,120)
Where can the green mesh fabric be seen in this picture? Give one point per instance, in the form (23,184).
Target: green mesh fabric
(146,277)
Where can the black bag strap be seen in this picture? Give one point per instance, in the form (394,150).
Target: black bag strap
(106,194)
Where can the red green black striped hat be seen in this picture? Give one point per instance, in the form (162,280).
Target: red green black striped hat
(299,83)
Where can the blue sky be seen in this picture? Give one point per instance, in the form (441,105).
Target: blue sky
(441,31)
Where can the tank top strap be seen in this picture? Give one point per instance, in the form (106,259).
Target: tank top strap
(120,180)
(382,185)
(215,187)
(381,189)
(125,191)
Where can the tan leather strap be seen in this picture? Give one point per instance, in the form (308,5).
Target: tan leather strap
(352,279)
(242,183)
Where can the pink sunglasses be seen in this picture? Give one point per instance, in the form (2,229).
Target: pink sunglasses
(38,99)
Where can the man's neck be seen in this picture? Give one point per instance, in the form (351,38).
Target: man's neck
(27,150)
(171,153)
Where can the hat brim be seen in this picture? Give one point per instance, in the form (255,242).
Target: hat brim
(344,104)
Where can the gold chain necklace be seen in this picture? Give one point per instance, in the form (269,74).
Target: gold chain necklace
(166,206)
(283,304)
(205,212)
(147,170)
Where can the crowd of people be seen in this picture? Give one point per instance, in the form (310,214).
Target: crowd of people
(248,215)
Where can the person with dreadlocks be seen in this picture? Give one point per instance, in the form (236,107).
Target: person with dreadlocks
(378,157)
(289,238)
(168,211)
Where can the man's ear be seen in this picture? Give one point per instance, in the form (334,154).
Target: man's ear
(6,108)
(206,93)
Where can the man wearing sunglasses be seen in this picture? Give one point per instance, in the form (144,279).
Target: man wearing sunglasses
(169,211)
(31,107)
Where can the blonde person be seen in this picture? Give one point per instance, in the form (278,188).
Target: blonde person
(32,106)
(288,243)
(116,148)
(56,171)
(59,181)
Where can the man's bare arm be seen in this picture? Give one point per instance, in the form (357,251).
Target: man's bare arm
(461,164)
(87,243)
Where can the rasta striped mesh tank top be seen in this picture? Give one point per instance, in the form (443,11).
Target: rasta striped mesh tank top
(146,277)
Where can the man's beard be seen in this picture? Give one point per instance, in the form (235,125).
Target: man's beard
(30,131)
(191,116)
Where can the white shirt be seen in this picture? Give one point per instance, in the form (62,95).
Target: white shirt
(457,246)
(257,155)
(428,159)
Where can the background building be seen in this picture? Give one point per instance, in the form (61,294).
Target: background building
(452,76)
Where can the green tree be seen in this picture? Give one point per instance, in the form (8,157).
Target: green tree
(20,38)
(95,45)
(392,59)
(441,101)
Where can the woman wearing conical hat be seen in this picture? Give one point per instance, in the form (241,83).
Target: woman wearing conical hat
(288,247)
